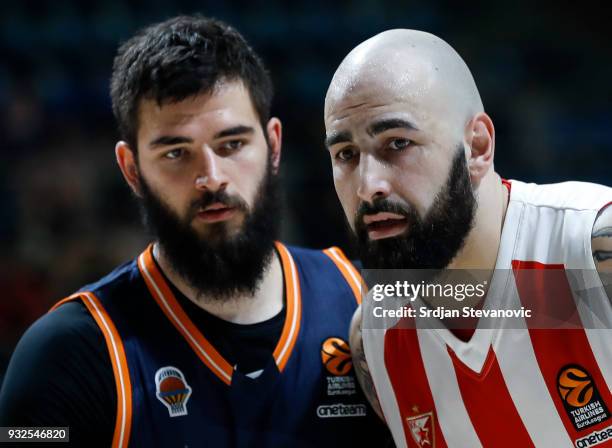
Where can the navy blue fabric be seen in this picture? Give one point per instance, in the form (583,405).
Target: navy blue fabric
(277,409)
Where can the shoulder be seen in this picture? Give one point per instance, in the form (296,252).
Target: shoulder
(61,359)
(564,195)
(121,277)
(304,253)
(329,262)
(328,271)
(601,241)
(61,338)
(603,222)
(329,257)
(65,326)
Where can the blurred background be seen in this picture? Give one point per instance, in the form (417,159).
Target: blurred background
(66,216)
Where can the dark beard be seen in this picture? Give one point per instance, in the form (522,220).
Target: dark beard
(218,267)
(430,242)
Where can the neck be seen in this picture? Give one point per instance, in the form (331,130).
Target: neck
(265,303)
(482,243)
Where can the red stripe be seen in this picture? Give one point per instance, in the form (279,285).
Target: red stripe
(556,348)
(406,371)
(489,404)
(507,184)
(545,290)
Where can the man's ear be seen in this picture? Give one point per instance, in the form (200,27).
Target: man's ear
(275,134)
(480,138)
(126,159)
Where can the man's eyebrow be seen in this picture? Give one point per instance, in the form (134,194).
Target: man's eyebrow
(169,140)
(378,127)
(338,137)
(236,130)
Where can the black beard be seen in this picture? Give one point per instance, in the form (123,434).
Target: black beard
(430,242)
(218,267)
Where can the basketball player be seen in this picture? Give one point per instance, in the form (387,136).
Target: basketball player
(412,154)
(216,335)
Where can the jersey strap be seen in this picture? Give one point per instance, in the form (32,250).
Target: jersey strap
(118,359)
(348,271)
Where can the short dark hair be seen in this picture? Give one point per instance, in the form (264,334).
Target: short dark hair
(179,58)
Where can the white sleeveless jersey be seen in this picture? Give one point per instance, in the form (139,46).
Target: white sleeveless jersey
(511,387)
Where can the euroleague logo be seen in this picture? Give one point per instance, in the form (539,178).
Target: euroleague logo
(581,399)
(336,356)
(575,386)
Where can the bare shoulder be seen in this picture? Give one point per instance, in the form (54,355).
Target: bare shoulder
(601,246)
(361,366)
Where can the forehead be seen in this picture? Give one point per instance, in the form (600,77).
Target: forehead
(228,102)
(388,89)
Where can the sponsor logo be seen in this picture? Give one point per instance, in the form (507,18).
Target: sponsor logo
(172,390)
(422,429)
(341,410)
(341,385)
(581,398)
(336,356)
(594,438)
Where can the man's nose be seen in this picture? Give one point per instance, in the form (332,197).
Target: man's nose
(373,179)
(210,175)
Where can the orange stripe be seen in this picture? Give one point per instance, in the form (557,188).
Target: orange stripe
(350,274)
(65,300)
(123,423)
(288,338)
(164,297)
(114,343)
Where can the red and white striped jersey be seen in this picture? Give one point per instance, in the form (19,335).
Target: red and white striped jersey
(510,387)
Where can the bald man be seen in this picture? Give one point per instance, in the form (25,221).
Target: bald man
(412,154)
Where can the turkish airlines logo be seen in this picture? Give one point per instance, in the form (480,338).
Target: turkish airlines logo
(581,398)
(336,356)
(422,429)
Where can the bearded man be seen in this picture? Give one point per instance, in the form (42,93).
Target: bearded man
(412,153)
(216,335)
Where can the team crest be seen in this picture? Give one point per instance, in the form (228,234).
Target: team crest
(422,429)
(172,390)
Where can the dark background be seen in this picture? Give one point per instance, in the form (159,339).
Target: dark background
(66,217)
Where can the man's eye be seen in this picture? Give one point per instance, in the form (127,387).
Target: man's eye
(232,145)
(174,153)
(345,154)
(399,144)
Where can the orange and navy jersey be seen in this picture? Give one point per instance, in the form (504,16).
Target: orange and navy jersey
(175,389)
(512,385)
